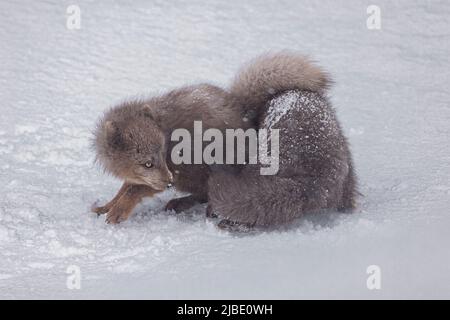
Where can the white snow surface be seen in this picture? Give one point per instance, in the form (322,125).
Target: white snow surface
(391,95)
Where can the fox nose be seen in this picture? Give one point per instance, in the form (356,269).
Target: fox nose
(170,185)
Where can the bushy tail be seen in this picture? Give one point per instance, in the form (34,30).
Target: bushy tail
(271,74)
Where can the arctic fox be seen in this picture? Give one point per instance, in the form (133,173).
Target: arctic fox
(276,91)
(132,142)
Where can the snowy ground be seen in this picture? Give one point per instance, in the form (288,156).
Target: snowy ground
(391,94)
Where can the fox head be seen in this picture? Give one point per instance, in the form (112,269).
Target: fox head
(131,146)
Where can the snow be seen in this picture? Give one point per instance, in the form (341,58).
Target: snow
(280,107)
(391,95)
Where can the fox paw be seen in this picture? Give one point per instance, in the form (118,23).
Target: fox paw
(210,212)
(181,204)
(233,226)
(117,215)
(99,210)
(114,218)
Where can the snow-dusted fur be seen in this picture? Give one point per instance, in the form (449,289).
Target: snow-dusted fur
(273,73)
(286,92)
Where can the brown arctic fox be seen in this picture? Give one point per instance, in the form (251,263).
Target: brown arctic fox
(132,142)
(279,91)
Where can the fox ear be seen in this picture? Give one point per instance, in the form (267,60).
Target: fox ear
(113,135)
(148,111)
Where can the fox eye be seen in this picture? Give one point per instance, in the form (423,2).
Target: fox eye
(148,164)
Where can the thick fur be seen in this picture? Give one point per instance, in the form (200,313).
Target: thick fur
(271,74)
(277,91)
(136,131)
(286,92)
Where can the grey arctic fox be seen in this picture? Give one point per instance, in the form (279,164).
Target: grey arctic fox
(282,91)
